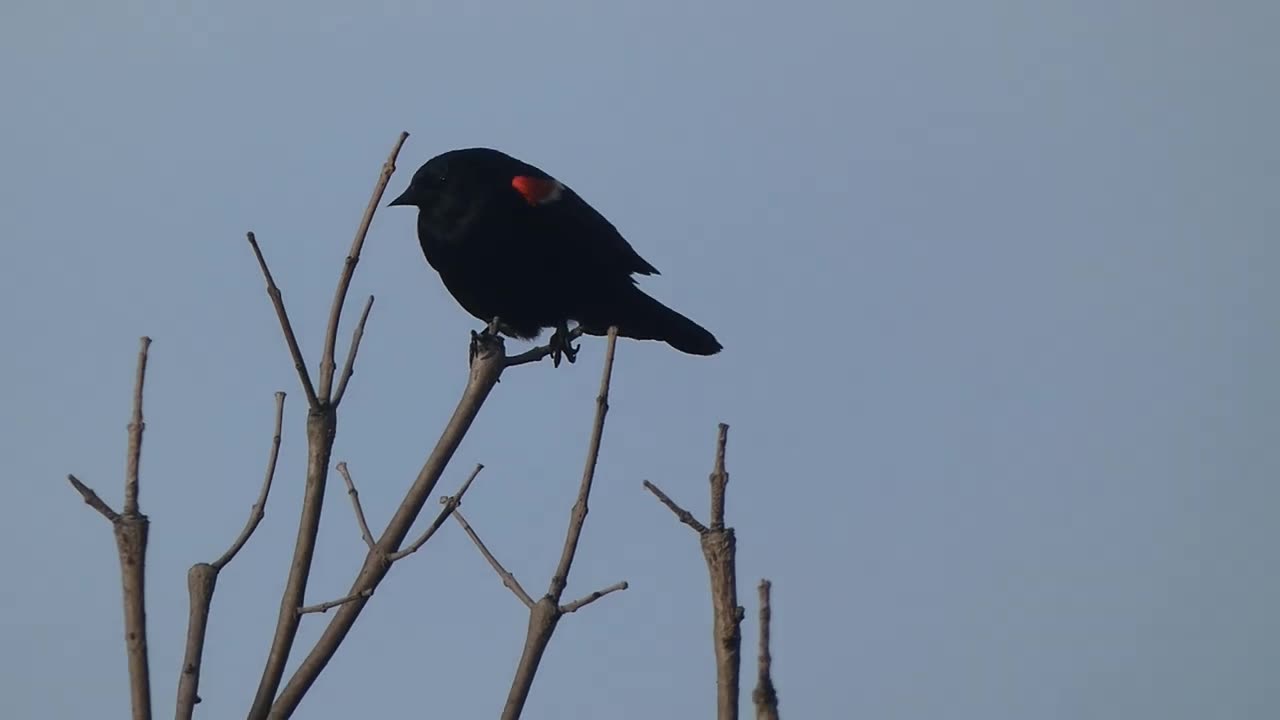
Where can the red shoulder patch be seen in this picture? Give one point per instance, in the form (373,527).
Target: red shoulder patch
(537,191)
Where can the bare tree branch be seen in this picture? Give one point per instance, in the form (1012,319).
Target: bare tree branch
(719,479)
(719,549)
(92,500)
(508,579)
(546,612)
(350,368)
(585,601)
(202,579)
(259,509)
(277,300)
(765,695)
(484,374)
(130,528)
(327,606)
(136,427)
(685,516)
(578,516)
(450,503)
(355,504)
(349,269)
(321,428)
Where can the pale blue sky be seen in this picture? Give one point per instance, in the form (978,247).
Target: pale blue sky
(995,280)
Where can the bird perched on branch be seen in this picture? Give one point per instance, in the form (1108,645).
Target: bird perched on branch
(512,242)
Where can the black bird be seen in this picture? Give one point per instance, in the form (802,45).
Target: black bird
(512,242)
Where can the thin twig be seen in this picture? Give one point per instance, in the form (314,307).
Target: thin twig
(277,300)
(508,579)
(92,500)
(327,606)
(349,269)
(484,374)
(136,427)
(578,516)
(259,509)
(585,601)
(685,516)
(355,504)
(202,580)
(450,503)
(321,428)
(535,354)
(765,695)
(546,612)
(350,368)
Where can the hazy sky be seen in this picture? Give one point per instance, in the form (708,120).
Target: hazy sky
(996,285)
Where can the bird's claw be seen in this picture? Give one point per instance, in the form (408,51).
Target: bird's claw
(480,341)
(561,345)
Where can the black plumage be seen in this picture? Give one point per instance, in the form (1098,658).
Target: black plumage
(512,242)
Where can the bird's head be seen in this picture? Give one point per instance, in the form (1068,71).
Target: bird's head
(478,177)
(475,174)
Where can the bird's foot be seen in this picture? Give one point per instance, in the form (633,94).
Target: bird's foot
(561,344)
(483,341)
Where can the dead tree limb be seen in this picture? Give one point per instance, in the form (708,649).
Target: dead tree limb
(719,548)
(545,613)
(355,504)
(508,579)
(202,579)
(485,371)
(765,695)
(322,421)
(131,527)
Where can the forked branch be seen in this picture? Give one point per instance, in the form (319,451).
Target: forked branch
(131,527)
(719,548)
(202,579)
(545,614)
(484,374)
(321,428)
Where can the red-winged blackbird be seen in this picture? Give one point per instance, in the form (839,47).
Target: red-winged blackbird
(512,242)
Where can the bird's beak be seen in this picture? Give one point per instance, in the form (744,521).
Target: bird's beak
(402,200)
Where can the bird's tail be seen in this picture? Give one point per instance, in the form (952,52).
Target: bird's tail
(643,318)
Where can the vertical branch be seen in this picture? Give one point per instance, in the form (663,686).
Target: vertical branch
(578,515)
(546,612)
(765,695)
(131,541)
(322,422)
(719,479)
(136,426)
(321,428)
(719,549)
(130,529)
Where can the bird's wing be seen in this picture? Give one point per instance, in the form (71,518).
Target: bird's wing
(571,225)
(599,239)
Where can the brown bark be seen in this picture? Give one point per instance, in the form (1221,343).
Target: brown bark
(130,528)
(719,549)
